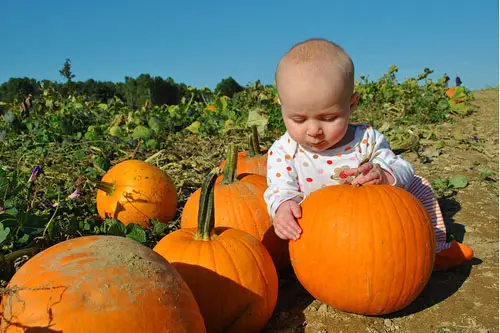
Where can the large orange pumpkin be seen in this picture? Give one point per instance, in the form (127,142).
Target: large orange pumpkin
(230,273)
(134,191)
(99,284)
(363,249)
(239,204)
(253,160)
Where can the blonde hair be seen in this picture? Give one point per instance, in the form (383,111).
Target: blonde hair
(318,51)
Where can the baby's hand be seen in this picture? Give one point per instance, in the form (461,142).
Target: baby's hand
(285,224)
(369,173)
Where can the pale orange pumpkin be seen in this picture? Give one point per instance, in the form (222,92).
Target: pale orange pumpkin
(99,284)
(239,204)
(230,273)
(134,191)
(363,249)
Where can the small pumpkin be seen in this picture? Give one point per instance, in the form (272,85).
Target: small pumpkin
(230,273)
(99,284)
(363,249)
(253,160)
(240,204)
(134,191)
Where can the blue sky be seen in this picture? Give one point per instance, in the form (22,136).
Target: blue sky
(201,42)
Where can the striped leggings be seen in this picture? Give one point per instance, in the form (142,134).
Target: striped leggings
(422,190)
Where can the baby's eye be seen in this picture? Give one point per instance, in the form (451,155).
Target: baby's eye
(329,118)
(298,120)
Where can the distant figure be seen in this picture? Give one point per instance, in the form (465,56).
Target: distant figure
(446,80)
(458,82)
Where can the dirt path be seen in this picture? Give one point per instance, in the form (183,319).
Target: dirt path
(464,299)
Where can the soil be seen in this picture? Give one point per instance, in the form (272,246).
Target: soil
(462,299)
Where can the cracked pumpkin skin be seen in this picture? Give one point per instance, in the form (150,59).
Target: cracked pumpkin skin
(138,191)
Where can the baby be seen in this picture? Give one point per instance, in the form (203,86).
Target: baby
(315,84)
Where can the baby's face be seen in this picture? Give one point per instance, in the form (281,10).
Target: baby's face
(316,107)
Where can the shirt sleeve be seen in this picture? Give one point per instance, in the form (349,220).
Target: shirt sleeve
(400,169)
(282,178)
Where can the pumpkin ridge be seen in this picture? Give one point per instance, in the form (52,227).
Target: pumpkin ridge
(261,269)
(235,268)
(394,249)
(413,250)
(252,189)
(244,209)
(402,286)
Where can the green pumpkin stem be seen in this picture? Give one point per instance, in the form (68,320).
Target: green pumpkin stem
(251,146)
(256,142)
(109,188)
(206,216)
(231,163)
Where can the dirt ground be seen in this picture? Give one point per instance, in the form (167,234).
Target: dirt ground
(463,299)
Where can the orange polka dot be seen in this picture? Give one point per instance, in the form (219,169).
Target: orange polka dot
(288,140)
(287,157)
(339,155)
(278,175)
(364,141)
(301,150)
(347,148)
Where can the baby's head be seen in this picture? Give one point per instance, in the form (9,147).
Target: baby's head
(315,83)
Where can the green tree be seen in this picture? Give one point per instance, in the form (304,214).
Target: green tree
(228,87)
(66,71)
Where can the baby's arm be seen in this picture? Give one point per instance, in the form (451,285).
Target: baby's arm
(283,195)
(400,169)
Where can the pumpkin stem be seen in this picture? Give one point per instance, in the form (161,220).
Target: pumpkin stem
(206,216)
(256,142)
(230,167)
(109,188)
(251,146)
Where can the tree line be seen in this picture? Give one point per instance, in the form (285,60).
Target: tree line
(134,91)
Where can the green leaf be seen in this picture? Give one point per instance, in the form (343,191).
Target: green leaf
(136,233)
(114,227)
(194,127)
(458,181)
(116,131)
(256,117)
(485,173)
(23,239)
(159,228)
(4,232)
(141,132)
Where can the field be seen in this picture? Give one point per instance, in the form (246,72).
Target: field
(451,141)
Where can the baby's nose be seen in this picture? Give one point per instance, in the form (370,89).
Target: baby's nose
(314,130)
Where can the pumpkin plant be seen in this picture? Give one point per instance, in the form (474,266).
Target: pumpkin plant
(364,249)
(134,191)
(240,204)
(99,284)
(252,160)
(230,273)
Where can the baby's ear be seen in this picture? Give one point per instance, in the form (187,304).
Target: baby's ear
(354,100)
